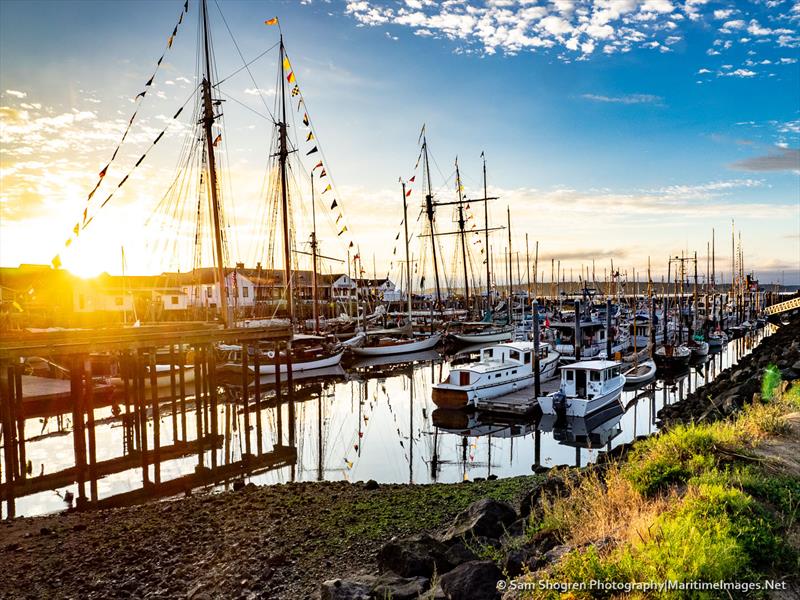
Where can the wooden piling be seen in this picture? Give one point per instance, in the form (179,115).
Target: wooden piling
(156,415)
(182,387)
(173,393)
(89,408)
(257,392)
(246,399)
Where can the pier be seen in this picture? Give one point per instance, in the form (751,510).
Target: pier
(111,376)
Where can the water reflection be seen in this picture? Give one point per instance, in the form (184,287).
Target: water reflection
(373,419)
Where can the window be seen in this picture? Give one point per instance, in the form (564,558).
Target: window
(208,292)
(497,375)
(81,301)
(514,355)
(570,375)
(595,376)
(175,300)
(488,353)
(615,372)
(527,358)
(245,292)
(514,372)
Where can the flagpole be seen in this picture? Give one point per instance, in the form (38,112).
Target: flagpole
(283,153)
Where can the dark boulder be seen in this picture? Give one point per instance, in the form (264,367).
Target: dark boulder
(484,518)
(549,488)
(417,556)
(476,580)
(369,587)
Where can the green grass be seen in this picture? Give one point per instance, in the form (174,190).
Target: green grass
(701,506)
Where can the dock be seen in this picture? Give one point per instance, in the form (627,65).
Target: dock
(520,402)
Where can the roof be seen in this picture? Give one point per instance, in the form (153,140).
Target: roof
(593,365)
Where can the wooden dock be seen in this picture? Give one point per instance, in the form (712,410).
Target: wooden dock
(520,402)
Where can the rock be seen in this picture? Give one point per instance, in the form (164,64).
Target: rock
(45,531)
(484,518)
(238,485)
(339,589)
(417,556)
(475,580)
(550,487)
(371,485)
(458,553)
(515,530)
(365,587)
(555,554)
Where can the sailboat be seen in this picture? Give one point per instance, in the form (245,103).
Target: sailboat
(386,342)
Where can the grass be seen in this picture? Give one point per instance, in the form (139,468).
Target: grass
(693,504)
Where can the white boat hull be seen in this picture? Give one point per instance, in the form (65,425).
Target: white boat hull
(328,361)
(480,338)
(580,407)
(405,348)
(641,374)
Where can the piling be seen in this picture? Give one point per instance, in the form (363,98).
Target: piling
(608,330)
(577,341)
(537,383)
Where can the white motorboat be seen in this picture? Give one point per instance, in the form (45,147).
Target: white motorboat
(163,376)
(479,332)
(639,373)
(640,329)
(501,369)
(388,345)
(586,387)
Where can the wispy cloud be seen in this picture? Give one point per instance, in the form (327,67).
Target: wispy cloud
(782,159)
(625,99)
(16,93)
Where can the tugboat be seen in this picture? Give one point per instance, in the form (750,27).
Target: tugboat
(501,369)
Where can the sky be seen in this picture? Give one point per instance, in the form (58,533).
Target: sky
(621,130)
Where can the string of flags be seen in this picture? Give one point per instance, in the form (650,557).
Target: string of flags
(85,219)
(409,189)
(311,139)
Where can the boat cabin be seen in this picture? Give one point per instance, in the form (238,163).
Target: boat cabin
(592,332)
(502,353)
(587,379)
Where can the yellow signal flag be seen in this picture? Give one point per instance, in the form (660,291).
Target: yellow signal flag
(290,77)
(310,137)
(272,21)
(286,65)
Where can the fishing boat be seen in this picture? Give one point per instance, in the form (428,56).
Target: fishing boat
(586,387)
(309,352)
(593,339)
(640,333)
(479,332)
(501,369)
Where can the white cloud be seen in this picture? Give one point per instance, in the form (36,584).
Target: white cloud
(259,92)
(703,71)
(723,13)
(739,73)
(755,29)
(626,99)
(16,93)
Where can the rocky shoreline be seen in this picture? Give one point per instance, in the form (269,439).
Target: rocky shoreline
(335,540)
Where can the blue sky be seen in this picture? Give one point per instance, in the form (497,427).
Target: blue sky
(612,128)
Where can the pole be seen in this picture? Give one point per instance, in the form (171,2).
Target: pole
(463,235)
(536,375)
(429,213)
(283,154)
(314,257)
(208,122)
(577,341)
(408,260)
(608,328)
(486,236)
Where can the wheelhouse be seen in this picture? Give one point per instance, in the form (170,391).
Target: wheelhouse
(589,379)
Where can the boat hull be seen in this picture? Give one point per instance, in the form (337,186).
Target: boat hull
(405,348)
(644,372)
(321,363)
(480,338)
(581,407)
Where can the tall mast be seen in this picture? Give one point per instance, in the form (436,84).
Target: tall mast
(283,154)
(408,259)
(463,235)
(314,256)
(528,266)
(429,210)
(208,122)
(486,235)
(510,279)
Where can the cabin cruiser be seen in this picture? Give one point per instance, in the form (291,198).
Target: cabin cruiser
(501,369)
(586,387)
(592,339)
(478,332)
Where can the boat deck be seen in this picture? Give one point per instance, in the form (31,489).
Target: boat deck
(520,402)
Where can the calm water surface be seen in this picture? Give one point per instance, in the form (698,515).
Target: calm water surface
(365,422)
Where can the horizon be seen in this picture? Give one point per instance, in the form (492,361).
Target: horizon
(614,131)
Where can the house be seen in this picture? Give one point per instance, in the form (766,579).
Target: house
(382,289)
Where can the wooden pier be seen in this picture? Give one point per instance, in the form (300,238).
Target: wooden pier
(520,402)
(139,404)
